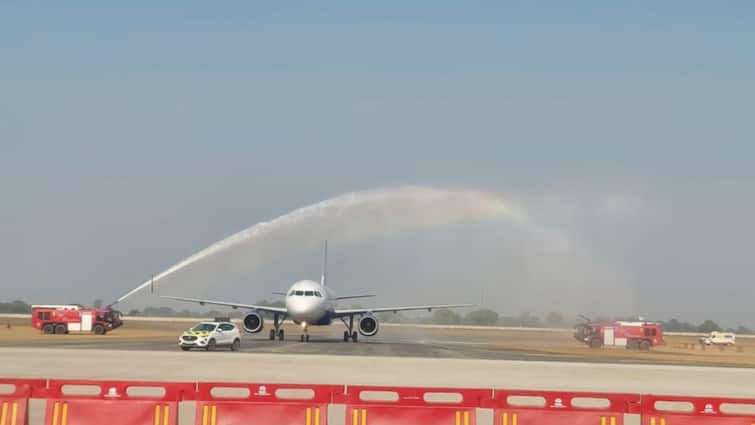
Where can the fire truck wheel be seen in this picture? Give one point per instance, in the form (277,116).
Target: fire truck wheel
(48,329)
(99,329)
(633,344)
(211,345)
(595,343)
(60,329)
(645,345)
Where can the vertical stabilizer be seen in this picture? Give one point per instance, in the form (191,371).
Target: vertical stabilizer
(324,278)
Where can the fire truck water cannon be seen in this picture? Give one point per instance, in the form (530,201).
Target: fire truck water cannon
(70,318)
(633,335)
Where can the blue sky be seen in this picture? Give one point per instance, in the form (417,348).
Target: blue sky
(133,135)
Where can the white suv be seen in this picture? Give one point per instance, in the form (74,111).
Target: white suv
(211,335)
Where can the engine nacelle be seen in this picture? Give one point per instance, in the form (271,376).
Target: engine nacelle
(253,322)
(368,325)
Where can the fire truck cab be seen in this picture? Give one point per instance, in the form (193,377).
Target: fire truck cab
(63,319)
(632,335)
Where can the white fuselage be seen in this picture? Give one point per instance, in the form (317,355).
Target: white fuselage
(310,303)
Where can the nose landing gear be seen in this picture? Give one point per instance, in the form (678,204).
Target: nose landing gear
(305,336)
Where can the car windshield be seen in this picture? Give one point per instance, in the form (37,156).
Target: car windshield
(204,327)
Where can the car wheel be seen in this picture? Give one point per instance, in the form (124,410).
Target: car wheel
(236,346)
(185,348)
(211,345)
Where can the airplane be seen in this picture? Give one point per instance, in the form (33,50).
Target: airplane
(310,303)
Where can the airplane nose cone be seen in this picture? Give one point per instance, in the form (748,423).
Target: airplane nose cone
(302,310)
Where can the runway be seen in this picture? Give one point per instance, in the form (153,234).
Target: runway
(352,370)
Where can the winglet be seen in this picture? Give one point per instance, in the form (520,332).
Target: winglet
(324,277)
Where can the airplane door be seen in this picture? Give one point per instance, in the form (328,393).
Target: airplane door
(608,337)
(86,322)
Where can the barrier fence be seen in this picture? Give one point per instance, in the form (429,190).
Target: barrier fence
(83,402)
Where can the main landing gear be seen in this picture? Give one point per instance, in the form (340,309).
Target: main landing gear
(277,331)
(350,333)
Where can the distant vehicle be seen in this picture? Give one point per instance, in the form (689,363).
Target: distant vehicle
(639,335)
(68,318)
(719,338)
(210,336)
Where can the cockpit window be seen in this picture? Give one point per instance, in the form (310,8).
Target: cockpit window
(291,294)
(309,293)
(317,294)
(300,293)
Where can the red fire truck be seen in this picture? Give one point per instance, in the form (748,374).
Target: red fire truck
(62,319)
(639,335)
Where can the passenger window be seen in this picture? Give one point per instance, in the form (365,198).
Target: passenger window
(309,293)
(291,294)
(300,293)
(226,327)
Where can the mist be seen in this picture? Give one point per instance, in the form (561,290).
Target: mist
(409,244)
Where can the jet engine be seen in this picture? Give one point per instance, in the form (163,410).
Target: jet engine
(253,322)
(368,325)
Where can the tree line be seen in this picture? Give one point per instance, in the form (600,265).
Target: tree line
(480,317)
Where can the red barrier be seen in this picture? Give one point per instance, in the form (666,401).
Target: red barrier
(668,410)
(114,402)
(14,399)
(411,406)
(557,408)
(280,404)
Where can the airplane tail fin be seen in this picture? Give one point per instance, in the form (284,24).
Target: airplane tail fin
(324,277)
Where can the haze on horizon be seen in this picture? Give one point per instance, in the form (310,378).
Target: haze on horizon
(132,136)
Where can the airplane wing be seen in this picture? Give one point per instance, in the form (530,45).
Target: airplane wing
(359,311)
(351,297)
(279,310)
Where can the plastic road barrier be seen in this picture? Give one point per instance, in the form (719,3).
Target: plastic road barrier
(280,404)
(410,406)
(114,402)
(673,410)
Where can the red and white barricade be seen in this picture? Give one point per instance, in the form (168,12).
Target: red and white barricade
(513,407)
(410,406)
(79,402)
(674,410)
(14,399)
(280,404)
